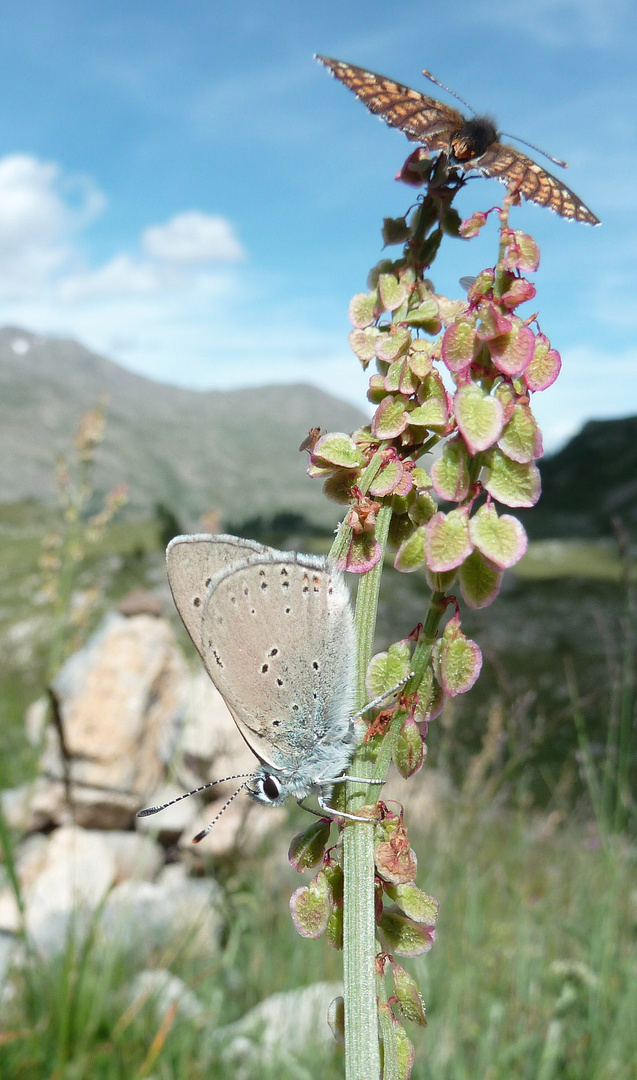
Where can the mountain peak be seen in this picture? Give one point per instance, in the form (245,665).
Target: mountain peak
(234,450)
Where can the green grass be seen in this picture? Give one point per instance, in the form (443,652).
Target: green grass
(546,559)
(533,973)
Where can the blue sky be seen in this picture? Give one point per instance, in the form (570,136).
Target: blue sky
(183,189)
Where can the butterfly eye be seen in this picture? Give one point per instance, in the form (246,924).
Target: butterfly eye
(271,788)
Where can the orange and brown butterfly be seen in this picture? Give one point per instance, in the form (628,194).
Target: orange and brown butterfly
(472,143)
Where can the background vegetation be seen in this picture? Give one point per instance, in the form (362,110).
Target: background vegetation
(535,966)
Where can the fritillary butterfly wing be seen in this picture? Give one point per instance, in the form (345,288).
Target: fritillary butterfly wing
(471,143)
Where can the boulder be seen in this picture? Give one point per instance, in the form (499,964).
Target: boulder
(121,703)
(74,875)
(175,909)
(139,602)
(163,989)
(282,1031)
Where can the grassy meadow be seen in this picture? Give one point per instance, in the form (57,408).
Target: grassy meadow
(526,838)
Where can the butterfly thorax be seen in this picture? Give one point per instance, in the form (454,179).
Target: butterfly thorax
(313,774)
(474,139)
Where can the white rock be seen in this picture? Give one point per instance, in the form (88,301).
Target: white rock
(64,878)
(65,882)
(285,1026)
(8,951)
(137,857)
(9,912)
(163,988)
(175,909)
(35,719)
(210,735)
(207,721)
(91,807)
(122,701)
(15,805)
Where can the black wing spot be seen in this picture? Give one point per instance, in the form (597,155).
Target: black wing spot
(207,581)
(218,659)
(276,723)
(285,584)
(288,610)
(315,665)
(264,668)
(306,588)
(274,652)
(264,585)
(197,601)
(284,572)
(295,708)
(279,682)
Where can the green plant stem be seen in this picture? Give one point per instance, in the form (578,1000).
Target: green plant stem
(72,544)
(499,284)
(391,1065)
(419,662)
(362,1055)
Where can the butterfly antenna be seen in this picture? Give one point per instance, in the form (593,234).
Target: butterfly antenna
(155,809)
(538,150)
(442,86)
(525,142)
(204,832)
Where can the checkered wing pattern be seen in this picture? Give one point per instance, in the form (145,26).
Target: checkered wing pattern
(422,118)
(438,126)
(507,164)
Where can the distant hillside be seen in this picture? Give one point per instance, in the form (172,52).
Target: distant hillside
(592,480)
(236,451)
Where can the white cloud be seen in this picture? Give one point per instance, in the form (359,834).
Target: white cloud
(179,306)
(121,276)
(193,237)
(38,221)
(42,214)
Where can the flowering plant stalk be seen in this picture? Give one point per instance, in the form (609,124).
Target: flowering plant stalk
(458,375)
(65,547)
(63,553)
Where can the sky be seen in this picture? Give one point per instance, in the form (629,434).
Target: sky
(184,190)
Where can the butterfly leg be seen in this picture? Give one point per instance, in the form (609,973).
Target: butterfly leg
(383,697)
(310,809)
(333,812)
(352,779)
